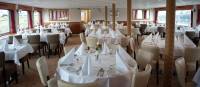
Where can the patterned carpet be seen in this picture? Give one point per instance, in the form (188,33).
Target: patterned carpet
(31,77)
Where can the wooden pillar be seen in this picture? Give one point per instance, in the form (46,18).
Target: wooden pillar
(113,15)
(106,15)
(169,43)
(129,10)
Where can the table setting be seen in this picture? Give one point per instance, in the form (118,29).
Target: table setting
(16,50)
(181,42)
(81,65)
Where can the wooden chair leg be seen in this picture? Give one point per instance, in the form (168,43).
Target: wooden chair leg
(28,63)
(23,67)
(49,50)
(16,77)
(157,73)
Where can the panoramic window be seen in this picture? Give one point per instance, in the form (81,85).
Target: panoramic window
(161,17)
(183,17)
(4,21)
(147,14)
(36,18)
(23,19)
(139,14)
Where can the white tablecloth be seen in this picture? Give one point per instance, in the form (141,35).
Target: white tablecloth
(43,36)
(111,77)
(17,52)
(178,46)
(196,78)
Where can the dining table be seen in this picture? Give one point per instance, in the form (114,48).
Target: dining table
(15,52)
(43,36)
(109,69)
(180,43)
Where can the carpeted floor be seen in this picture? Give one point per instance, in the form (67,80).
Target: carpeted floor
(31,77)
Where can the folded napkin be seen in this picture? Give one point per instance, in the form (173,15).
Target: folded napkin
(92,26)
(86,68)
(120,64)
(81,50)
(5,45)
(68,58)
(15,41)
(125,56)
(92,34)
(105,49)
(196,77)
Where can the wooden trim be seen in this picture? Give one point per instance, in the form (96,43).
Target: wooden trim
(129,11)
(7,6)
(169,43)
(76,27)
(186,7)
(113,15)
(38,9)
(25,8)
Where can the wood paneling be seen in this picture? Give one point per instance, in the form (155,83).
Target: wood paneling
(76,27)
(25,8)
(7,6)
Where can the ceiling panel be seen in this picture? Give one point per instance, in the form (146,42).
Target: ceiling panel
(97,3)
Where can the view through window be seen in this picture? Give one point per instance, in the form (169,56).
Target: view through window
(36,18)
(4,21)
(183,17)
(23,19)
(139,14)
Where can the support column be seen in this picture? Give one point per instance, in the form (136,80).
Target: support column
(129,10)
(169,43)
(106,15)
(113,15)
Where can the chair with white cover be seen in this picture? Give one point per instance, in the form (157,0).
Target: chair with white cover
(157,62)
(192,56)
(54,44)
(124,42)
(82,37)
(181,72)
(52,82)
(91,42)
(42,68)
(132,46)
(142,78)
(62,83)
(143,58)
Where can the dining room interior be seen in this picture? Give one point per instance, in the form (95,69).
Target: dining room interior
(99,43)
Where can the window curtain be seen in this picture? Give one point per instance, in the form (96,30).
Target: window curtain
(145,14)
(41,19)
(155,16)
(191,18)
(135,14)
(30,19)
(198,17)
(12,24)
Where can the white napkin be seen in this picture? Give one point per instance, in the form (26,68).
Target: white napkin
(126,57)
(92,34)
(15,41)
(120,64)
(68,58)
(5,45)
(196,77)
(105,49)
(81,50)
(86,68)
(92,26)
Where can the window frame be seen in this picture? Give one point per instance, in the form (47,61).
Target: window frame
(189,24)
(28,19)
(9,21)
(38,18)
